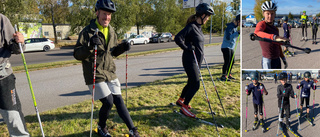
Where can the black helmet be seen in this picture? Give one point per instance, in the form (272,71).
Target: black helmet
(307,74)
(238,17)
(283,75)
(285,18)
(254,76)
(106,5)
(204,8)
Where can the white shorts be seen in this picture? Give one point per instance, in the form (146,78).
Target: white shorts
(103,89)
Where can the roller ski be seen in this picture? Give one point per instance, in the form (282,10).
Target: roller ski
(262,126)
(200,120)
(291,131)
(224,79)
(281,129)
(176,104)
(255,124)
(308,120)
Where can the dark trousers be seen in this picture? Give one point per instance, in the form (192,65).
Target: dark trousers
(304,27)
(122,110)
(190,66)
(314,34)
(286,107)
(227,56)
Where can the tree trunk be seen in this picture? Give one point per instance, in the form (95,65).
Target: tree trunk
(54,26)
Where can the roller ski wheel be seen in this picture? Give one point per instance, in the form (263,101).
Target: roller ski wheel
(291,131)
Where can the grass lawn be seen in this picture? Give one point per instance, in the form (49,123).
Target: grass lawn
(149,108)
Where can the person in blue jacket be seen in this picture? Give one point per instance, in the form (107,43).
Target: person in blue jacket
(257,89)
(286,30)
(305,87)
(229,41)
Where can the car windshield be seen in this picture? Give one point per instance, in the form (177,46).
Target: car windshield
(132,36)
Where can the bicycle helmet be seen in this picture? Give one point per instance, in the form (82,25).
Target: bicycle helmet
(285,18)
(106,5)
(307,74)
(254,76)
(269,5)
(283,75)
(204,8)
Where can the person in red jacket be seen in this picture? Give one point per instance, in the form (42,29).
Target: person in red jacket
(271,52)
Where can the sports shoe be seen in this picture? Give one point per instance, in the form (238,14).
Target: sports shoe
(103,132)
(302,38)
(230,77)
(185,110)
(180,103)
(307,115)
(223,78)
(134,132)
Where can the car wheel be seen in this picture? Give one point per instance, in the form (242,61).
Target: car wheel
(46,48)
(131,43)
(145,42)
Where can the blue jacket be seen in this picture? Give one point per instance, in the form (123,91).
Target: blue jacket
(305,87)
(230,36)
(256,92)
(286,30)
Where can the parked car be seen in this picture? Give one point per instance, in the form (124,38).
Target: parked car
(137,39)
(269,77)
(249,24)
(161,37)
(38,44)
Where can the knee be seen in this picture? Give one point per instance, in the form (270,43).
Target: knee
(107,101)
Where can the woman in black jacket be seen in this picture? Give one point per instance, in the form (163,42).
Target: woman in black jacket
(191,39)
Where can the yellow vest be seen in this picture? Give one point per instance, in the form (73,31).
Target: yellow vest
(304,17)
(104,30)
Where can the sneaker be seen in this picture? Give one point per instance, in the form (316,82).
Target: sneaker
(134,132)
(302,38)
(185,110)
(230,77)
(180,102)
(223,78)
(103,132)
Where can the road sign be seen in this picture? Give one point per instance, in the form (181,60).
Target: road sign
(194,3)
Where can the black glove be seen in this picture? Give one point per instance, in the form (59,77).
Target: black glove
(126,46)
(284,62)
(94,40)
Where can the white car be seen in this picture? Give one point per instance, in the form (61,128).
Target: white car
(137,39)
(38,44)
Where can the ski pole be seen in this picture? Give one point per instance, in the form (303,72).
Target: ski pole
(264,108)
(280,112)
(231,63)
(314,96)
(30,84)
(297,111)
(195,58)
(255,37)
(298,94)
(246,88)
(215,87)
(127,78)
(94,82)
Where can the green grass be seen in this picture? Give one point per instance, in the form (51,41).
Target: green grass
(149,109)
(33,67)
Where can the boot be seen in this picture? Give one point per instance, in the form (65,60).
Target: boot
(224,78)
(255,123)
(230,77)
(307,115)
(261,122)
(103,132)
(134,132)
(185,110)
(300,114)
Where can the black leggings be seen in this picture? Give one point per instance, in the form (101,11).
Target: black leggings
(304,27)
(287,109)
(227,56)
(122,110)
(307,102)
(192,71)
(256,107)
(314,34)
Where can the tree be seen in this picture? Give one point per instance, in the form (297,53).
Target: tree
(290,16)
(257,9)
(235,6)
(318,15)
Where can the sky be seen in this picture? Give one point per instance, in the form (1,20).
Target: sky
(286,6)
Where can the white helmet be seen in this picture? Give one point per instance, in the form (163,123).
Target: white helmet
(269,5)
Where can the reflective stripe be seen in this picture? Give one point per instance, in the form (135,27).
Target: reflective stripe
(187,112)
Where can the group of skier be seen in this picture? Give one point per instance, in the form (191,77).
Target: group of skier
(285,90)
(95,48)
